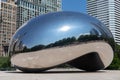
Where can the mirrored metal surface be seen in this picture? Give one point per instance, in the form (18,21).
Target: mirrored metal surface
(58,30)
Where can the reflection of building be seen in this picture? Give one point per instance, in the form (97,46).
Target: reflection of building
(94,32)
(7,24)
(108,11)
(30,8)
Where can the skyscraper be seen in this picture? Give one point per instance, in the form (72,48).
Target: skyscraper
(27,9)
(108,11)
(7,24)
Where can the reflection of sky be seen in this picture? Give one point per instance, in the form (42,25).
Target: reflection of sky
(54,28)
(64,28)
(55,33)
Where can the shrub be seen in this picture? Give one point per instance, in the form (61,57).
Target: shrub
(5,62)
(115,65)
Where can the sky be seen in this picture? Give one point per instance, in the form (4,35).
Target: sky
(74,5)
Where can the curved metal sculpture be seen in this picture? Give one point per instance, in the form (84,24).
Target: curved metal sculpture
(62,37)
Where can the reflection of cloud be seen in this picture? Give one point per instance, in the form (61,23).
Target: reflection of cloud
(83,34)
(64,28)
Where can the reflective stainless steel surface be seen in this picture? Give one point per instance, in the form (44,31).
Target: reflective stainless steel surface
(58,31)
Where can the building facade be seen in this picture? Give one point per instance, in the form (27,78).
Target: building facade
(27,9)
(7,24)
(108,12)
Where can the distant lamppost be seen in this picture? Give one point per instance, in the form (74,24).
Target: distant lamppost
(5,47)
(0,18)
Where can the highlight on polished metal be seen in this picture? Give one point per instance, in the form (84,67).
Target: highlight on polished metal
(56,38)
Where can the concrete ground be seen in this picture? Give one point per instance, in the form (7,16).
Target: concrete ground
(61,74)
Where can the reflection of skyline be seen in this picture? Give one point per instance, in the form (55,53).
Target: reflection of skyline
(56,29)
(59,29)
(53,34)
(21,48)
(56,34)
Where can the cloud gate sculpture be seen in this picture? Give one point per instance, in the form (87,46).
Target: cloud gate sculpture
(56,38)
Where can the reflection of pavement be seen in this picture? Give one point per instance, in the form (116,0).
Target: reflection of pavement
(61,74)
(55,56)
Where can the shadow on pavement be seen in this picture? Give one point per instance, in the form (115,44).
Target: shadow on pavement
(55,72)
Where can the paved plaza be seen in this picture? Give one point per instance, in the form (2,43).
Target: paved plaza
(61,74)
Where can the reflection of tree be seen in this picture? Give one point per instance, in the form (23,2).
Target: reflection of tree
(69,41)
(35,48)
(38,47)
(84,38)
(65,41)
(25,49)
